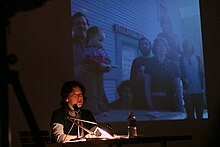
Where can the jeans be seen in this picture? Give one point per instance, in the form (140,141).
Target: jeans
(194,103)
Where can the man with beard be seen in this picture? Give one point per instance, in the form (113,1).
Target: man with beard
(139,75)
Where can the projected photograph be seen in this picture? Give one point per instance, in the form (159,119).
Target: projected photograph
(142,56)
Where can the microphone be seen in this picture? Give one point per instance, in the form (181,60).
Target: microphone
(75,107)
(77,110)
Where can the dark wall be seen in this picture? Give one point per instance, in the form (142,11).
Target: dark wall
(211,31)
(41,39)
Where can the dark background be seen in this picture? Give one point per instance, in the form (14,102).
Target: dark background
(41,39)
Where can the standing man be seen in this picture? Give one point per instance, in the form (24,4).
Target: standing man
(139,75)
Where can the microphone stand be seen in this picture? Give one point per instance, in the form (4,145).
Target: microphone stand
(86,121)
(74,120)
(97,132)
(79,133)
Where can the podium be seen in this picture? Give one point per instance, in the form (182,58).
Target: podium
(118,142)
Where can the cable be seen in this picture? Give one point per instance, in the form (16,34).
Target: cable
(69,131)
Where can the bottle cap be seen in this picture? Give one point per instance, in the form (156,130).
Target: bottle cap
(131,113)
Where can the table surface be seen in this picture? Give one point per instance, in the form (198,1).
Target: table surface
(119,141)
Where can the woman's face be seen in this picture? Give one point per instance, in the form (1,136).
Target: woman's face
(161,48)
(80,27)
(75,97)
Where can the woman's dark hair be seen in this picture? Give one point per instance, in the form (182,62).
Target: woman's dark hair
(79,14)
(67,88)
(122,85)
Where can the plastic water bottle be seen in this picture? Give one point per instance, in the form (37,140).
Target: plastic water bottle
(131,123)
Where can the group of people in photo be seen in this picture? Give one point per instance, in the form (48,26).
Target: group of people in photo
(167,76)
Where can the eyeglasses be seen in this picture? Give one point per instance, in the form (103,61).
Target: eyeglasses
(80,95)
